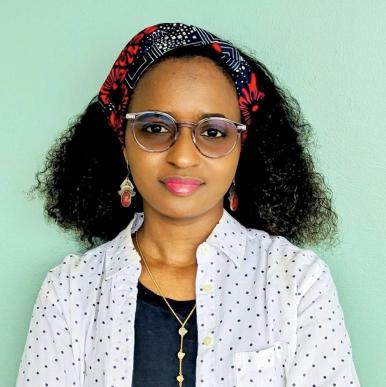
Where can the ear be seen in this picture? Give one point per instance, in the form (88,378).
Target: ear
(125,154)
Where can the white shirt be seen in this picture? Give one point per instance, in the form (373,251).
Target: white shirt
(268,314)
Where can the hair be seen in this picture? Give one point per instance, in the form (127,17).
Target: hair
(279,190)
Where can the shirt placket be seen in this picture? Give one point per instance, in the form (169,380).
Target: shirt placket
(206,316)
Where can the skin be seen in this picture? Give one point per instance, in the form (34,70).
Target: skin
(175,226)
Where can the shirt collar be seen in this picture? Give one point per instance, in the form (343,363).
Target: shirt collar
(228,236)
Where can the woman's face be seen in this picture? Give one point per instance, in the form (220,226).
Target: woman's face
(186,88)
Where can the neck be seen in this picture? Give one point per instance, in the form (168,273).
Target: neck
(172,241)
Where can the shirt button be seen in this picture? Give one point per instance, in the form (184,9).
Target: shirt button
(206,250)
(207,288)
(207,340)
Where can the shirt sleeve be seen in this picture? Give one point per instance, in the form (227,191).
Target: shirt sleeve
(48,358)
(323,353)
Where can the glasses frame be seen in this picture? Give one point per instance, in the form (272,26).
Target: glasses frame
(238,127)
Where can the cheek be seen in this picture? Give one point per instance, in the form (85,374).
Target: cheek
(133,151)
(143,174)
(222,174)
(144,165)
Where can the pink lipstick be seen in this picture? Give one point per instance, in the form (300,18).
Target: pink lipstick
(181,186)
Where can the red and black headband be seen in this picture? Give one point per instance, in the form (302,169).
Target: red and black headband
(155,41)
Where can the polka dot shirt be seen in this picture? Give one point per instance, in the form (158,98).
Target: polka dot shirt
(268,314)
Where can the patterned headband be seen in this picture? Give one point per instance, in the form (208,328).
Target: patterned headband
(155,41)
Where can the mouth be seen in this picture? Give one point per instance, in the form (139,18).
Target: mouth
(182,186)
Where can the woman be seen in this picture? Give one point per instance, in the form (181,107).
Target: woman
(224,297)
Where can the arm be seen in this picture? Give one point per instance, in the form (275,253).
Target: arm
(48,357)
(322,356)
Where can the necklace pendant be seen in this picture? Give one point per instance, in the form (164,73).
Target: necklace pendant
(182,331)
(181,355)
(180,379)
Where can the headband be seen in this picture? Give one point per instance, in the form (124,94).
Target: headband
(155,41)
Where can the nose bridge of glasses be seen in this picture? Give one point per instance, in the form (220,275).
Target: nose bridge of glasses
(187,124)
(183,139)
(180,125)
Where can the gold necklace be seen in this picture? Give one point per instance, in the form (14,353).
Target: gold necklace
(182,330)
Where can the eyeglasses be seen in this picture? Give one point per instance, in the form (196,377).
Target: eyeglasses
(156,131)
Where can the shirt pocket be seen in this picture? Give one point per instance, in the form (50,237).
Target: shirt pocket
(261,368)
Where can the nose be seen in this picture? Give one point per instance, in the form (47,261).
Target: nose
(183,153)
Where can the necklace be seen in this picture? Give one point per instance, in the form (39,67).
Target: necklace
(182,330)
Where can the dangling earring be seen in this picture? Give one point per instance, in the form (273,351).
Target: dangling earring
(127,189)
(233,198)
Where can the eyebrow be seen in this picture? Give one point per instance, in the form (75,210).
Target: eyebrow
(203,115)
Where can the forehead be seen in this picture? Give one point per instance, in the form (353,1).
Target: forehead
(186,86)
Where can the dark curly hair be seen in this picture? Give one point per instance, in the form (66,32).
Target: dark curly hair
(287,196)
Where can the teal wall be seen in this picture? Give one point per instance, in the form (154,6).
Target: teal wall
(331,56)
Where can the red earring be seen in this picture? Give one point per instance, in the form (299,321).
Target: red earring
(127,189)
(232,197)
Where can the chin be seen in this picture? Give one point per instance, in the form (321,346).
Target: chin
(182,209)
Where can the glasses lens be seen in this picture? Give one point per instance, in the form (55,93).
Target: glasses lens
(216,137)
(154,131)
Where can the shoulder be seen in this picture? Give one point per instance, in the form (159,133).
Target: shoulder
(80,274)
(80,264)
(93,264)
(77,275)
(286,262)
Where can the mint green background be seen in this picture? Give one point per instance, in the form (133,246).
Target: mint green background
(331,56)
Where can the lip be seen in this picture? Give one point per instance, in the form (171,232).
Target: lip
(181,186)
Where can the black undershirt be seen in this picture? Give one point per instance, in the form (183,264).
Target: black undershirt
(157,341)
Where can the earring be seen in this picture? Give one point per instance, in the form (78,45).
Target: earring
(232,197)
(127,189)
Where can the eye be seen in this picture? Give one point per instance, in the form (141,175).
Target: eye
(214,133)
(155,128)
